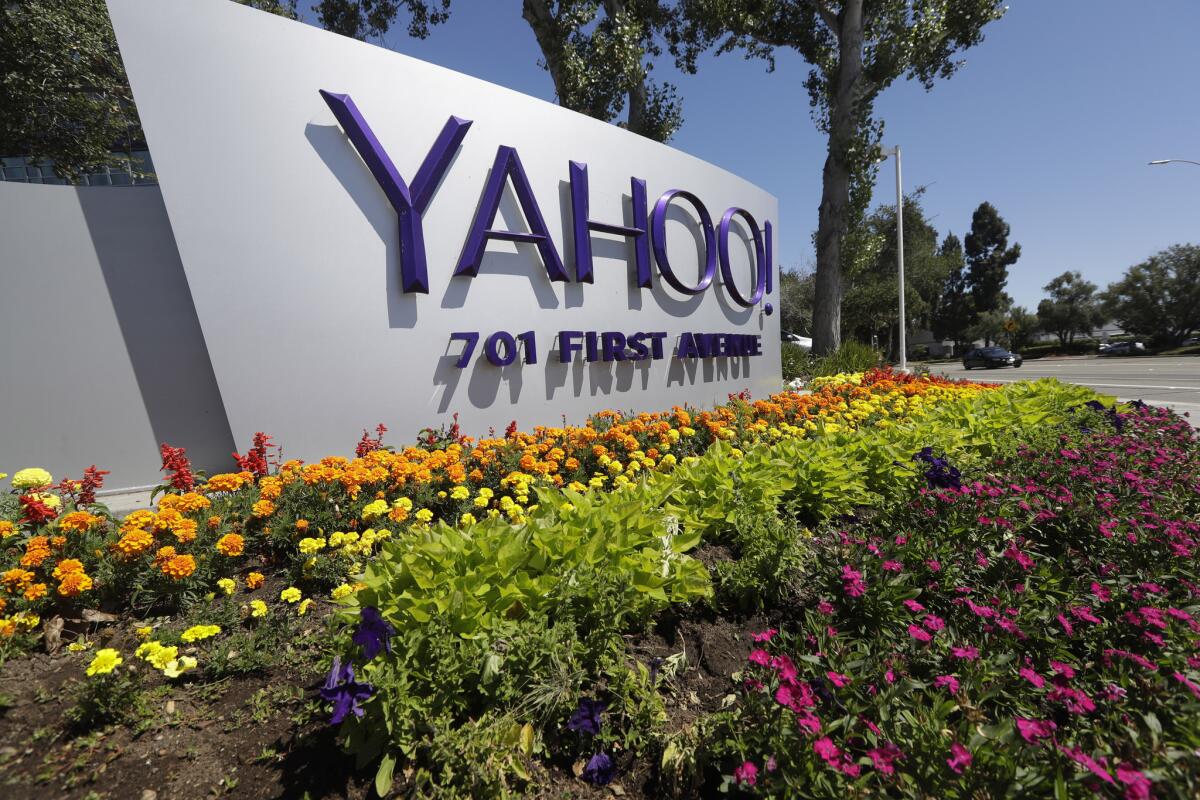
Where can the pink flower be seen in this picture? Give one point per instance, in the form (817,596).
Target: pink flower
(765,636)
(889,676)
(933,622)
(1033,729)
(1193,688)
(934,565)
(852,582)
(786,669)
(760,657)
(960,758)
(1066,670)
(809,722)
(884,757)
(746,774)
(1138,785)
(771,765)
(1066,625)
(1077,702)
(919,634)
(913,605)
(893,566)
(838,679)
(1097,768)
(1100,593)
(1031,676)
(1021,558)
(1084,613)
(966,653)
(795,697)
(949,682)
(825,607)
(826,749)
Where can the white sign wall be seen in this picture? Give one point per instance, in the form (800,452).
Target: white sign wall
(292,247)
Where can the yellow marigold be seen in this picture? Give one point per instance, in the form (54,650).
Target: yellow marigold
(16,580)
(77,521)
(258,608)
(345,590)
(254,580)
(226,482)
(231,544)
(74,584)
(290,595)
(263,508)
(179,567)
(177,666)
(309,545)
(425,515)
(134,543)
(227,585)
(467,519)
(106,661)
(7,528)
(8,627)
(198,633)
(31,478)
(304,606)
(143,632)
(137,520)
(374,509)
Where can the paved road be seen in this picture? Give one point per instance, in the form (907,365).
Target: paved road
(1168,381)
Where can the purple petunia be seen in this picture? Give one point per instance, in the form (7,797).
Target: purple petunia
(586,718)
(374,633)
(599,770)
(344,692)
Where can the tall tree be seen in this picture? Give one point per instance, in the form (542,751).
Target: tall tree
(1019,328)
(1160,297)
(955,312)
(857,48)
(795,301)
(989,257)
(599,53)
(64,95)
(871,303)
(1071,308)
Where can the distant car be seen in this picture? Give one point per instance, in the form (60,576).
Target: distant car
(1123,349)
(990,357)
(1191,341)
(797,339)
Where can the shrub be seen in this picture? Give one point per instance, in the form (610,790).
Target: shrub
(851,356)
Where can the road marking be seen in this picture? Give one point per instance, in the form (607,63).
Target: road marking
(1104,385)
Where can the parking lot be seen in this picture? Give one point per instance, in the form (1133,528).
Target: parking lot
(1172,381)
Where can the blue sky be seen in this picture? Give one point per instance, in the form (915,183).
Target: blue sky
(1052,120)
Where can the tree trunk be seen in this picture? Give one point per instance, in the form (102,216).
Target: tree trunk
(545,30)
(638,95)
(835,182)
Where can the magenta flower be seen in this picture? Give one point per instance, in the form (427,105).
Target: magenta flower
(967,653)
(884,757)
(838,679)
(913,605)
(920,634)
(1032,730)
(1100,593)
(960,758)
(746,774)
(1097,767)
(825,607)
(1066,625)
(809,723)
(1137,785)
(852,582)
(1021,558)
(1193,688)
(948,682)
(933,622)
(934,565)
(771,765)
(893,566)
(1066,670)
(765,636)
(1031,676)
(760,657)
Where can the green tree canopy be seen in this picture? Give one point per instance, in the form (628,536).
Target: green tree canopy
(1160,297)
(955,312)
(599,53)
(989,257)
(796,301)
(64,95)
(1071,308)
(856,48)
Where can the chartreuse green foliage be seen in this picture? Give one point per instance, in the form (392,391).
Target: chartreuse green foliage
(501,628)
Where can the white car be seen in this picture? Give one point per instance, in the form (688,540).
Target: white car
(797,339)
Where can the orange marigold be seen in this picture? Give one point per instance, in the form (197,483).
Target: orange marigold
(184,530)
(36,591)
(163,555)
(270,488)
(37,550)
(3,605)
(78,521)
(186,503)
(214,522)
(231,544)
(137,520)
(74,583)
(179,567)
(254,580)
(66,567)
(16,579)
(227,482)
(8,627)
(263,508)
(134,543)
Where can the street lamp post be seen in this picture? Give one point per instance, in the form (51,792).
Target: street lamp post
(895,151)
